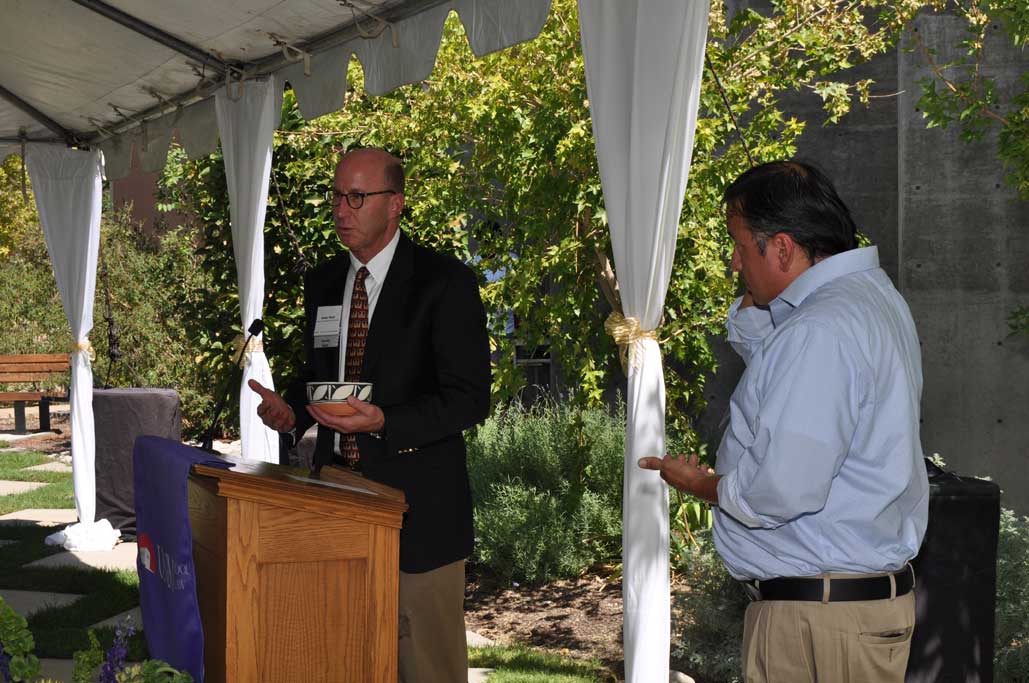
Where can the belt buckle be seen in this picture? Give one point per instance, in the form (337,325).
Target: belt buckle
(752,591)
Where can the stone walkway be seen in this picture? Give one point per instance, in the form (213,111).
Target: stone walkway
(123,556)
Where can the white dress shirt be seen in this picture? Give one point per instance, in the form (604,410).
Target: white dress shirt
(378,267)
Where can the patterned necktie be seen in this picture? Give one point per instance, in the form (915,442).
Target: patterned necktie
(357,335)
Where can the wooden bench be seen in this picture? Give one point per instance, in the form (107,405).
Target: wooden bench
(31,368)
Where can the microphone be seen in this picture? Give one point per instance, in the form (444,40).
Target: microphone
(207,444)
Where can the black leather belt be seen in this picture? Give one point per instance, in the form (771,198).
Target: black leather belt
(840,590)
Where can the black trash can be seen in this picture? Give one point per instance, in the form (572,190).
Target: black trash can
(119,416)
(956,582)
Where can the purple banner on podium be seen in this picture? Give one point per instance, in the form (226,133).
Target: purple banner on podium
(167,581)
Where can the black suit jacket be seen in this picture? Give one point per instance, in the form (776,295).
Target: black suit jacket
(427,355)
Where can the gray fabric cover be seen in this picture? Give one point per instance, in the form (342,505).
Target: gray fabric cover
(120,415)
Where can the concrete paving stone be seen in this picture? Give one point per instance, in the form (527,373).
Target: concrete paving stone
(9,488)
(475,640)
(478,675)
(123,556)
(26,603)
(57,669)
(136,614)
(49,467)
(13,439)
(39,517)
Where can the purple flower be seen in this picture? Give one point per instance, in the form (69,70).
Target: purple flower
(115,661)
(5,665)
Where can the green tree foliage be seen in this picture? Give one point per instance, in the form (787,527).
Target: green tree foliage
(31,313)
(502,173)
(17,212)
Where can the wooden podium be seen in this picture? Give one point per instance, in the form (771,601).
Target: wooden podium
(296,578)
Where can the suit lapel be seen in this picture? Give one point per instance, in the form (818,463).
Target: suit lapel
(389,308)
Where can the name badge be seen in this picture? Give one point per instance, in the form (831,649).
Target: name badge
(326,326)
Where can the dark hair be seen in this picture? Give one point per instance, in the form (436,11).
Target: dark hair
(795,198)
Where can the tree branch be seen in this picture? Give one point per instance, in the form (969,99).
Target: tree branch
(984,110)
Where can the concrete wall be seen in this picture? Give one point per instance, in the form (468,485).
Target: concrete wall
(955,239)
(964,265)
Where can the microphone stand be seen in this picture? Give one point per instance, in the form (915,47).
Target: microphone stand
(207,444)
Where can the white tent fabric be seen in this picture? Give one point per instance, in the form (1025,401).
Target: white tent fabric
(66,184)
(117,72)
(247,120)
(644,60)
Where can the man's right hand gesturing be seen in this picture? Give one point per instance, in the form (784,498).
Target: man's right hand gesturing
(273,410)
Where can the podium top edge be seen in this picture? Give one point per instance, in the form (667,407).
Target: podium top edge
(279,484)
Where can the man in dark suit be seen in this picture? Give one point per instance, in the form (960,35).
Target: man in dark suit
(411,322)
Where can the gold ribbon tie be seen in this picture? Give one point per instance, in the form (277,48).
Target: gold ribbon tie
(253,346)
(84,346)
(627,333)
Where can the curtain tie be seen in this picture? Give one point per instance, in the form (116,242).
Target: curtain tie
(85,347)
(255,345)
(627,333)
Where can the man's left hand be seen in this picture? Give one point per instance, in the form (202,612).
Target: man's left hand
(368,418)
(687,475)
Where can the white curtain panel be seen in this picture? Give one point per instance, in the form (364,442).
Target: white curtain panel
(644,60)
(67,187)
(247,118)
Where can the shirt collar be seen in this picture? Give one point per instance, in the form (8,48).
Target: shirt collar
(823,272)
(378,265)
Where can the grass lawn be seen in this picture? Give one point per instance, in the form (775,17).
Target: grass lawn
(515,664)
(58,495)
(58,632)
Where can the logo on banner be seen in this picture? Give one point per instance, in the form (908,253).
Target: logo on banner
(146,552)
(156,560)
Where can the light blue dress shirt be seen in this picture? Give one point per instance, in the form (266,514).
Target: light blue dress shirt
(821,462)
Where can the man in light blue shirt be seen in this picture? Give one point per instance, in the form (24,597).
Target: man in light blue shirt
(820,490)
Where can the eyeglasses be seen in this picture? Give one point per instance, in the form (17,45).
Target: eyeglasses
(355,200)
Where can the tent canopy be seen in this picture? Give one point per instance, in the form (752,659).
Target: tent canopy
(126,73)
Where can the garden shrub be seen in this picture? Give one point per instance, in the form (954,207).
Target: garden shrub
(1011,640)
(707,618)
(547,487)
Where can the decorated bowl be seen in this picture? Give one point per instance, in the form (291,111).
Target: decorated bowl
(338,392)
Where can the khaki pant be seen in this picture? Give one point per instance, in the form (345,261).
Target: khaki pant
(794,641)
(432,647)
